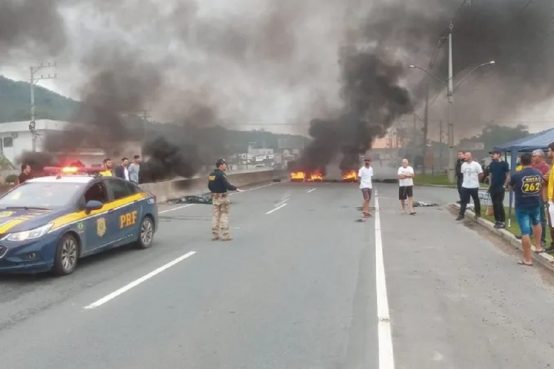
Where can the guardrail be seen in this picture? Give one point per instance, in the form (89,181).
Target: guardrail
(174,189)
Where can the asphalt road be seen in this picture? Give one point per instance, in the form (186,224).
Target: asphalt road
(300,286)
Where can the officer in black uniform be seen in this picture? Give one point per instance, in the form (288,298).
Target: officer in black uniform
(219,185)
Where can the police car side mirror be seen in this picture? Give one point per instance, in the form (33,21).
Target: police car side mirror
(93,205)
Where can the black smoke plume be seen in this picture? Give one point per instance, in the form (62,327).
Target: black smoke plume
(167,159)
(373,99)
(518,35)
(120,83)
(31,24)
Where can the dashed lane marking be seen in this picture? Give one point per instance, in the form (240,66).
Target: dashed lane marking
(275,209)
(138,281)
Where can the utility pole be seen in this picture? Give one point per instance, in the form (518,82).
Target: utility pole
(425,124)
(450,95)
(440,147)
(414,150)
(34,79)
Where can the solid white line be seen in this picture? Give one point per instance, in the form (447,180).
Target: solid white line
(312,190)
(177,208)
(277,208)
(136,282)
(386,353)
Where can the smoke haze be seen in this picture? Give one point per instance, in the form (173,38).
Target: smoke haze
(335,69)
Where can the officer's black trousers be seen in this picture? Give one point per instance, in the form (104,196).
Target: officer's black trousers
(474,194)
(497,199)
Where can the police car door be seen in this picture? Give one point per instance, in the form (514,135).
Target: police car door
(126,211)
(97,225)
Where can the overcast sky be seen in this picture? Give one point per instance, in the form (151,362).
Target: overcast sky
(251,63)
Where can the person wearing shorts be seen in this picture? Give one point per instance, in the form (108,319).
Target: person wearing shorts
(406,187)
(365,174)
(550,195)
(527,185)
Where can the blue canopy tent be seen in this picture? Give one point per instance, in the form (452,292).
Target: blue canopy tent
(532,142)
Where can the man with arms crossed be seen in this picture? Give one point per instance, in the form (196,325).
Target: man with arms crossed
(364,174)
(473,173)
(527,186)
(406,186)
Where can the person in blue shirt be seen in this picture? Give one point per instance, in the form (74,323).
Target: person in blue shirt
(527,186)
(498,177)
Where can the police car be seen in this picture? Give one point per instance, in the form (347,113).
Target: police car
(49,223)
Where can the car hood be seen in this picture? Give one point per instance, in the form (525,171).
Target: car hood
(16,220)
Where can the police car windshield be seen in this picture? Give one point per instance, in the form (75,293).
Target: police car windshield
(41,195)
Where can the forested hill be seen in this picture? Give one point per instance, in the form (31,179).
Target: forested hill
(15,105)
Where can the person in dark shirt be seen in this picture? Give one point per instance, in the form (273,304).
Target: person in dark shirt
(527,186)
(26,173)
(498,177)
(459,176)
(219,185)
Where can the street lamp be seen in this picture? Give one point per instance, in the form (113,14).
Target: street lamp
(450,95)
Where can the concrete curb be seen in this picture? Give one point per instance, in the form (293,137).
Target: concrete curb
(543,259)
(434,185)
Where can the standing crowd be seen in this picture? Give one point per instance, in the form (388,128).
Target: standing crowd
(533,185)
(129,171)
(406,177)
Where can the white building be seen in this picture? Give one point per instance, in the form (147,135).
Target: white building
(16,138)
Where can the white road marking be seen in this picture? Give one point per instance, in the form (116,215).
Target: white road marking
(177,208)
(136,282)
(256,188)
(386,353)
(234,193)
(312,190)
(277,208)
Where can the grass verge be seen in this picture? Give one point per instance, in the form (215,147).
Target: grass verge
(429,179)
(514,229)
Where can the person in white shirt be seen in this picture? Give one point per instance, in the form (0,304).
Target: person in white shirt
(472,174)
(406,186)
(364,175)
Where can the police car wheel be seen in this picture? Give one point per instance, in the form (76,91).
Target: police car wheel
(67,255)
(146,235)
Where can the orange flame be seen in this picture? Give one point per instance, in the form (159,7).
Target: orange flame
(315,177)
(350,176)
(297,176)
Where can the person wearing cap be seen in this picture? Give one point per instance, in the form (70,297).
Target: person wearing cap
(498,180)
(365,174)
(219,185)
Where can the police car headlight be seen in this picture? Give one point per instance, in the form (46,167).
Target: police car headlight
(30,234)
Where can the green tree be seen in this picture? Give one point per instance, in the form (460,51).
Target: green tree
(495,135)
